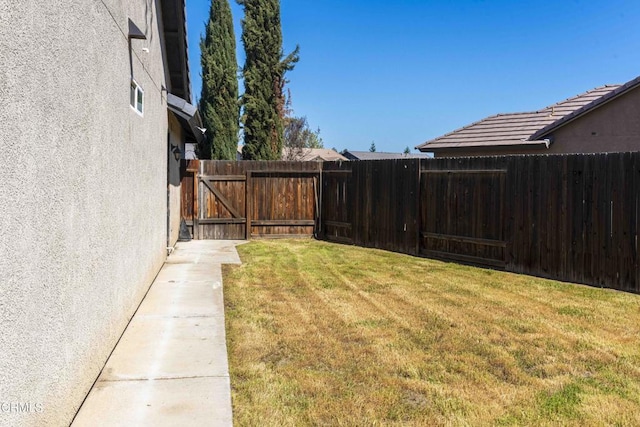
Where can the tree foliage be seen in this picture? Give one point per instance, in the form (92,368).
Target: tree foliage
(298,138)
(219,104)
(372,148)
(264,79)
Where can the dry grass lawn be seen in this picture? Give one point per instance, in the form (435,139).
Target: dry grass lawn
(324,334)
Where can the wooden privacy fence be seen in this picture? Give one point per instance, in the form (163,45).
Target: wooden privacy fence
(241,200)
(567,217)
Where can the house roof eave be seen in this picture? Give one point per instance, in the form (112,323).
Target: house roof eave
(174,25)
(435,148)
(188,116)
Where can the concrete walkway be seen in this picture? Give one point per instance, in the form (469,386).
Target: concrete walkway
(170,367)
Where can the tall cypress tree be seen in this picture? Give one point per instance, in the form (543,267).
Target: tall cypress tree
(219,104)
(263,72)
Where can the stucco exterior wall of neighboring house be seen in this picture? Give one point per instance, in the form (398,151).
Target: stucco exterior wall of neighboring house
(83,195)
(614,126)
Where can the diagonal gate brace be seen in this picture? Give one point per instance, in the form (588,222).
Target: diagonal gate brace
(225,202)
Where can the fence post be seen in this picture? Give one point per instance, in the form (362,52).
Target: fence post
(196,201)
(248,204)
(317,193)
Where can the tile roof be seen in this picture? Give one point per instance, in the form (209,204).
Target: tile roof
(525,128)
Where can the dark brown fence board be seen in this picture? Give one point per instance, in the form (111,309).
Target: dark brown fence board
(379,201)
(634,188)
(630,210)
(625,217)
(463,199)
(515,227)
(335,209)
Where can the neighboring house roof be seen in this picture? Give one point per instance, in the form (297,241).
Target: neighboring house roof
(526,129)
(376,155)
(312,154)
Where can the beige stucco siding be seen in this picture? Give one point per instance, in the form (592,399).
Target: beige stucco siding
(83,193)
(615,126)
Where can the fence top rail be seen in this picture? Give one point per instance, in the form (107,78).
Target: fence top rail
(469,171)
(223,177)
(337,171)
(284,172)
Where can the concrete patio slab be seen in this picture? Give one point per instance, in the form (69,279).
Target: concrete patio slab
(170,367)
(224,253)
(183,299)
(186,271)
(160,348)
(159,403)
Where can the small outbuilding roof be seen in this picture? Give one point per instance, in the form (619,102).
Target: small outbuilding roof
(526,129)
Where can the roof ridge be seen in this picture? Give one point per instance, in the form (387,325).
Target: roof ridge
(580,95)
(367,151)
(513,114)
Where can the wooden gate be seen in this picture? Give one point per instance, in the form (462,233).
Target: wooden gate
(222,210)
(241,200)
(462,216)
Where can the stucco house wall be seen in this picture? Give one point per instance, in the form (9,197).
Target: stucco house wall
(613,127)
(83,194)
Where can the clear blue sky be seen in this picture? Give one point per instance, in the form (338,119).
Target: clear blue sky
(401,72)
